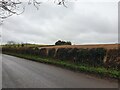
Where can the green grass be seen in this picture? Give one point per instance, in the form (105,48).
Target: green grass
(98,71)
(25,45)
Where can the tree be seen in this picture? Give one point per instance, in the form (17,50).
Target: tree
(68,43)
(22,45)
(11,42)
(11,7)
(59,42)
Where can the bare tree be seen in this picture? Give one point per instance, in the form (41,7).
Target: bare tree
(11,7)
(11,42)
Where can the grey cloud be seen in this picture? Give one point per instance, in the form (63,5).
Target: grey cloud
(79,23)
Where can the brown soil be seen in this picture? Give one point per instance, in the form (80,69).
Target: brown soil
(106,46)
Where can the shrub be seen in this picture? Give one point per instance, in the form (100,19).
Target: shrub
(62,53)
(51,52)
(72,54)
(43,52)
(113,59)
(93,57)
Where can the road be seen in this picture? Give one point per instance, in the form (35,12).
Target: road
(21,73)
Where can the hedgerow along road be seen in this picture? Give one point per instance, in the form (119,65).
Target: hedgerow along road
(21,73)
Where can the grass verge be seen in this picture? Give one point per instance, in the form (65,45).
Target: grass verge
(98,71)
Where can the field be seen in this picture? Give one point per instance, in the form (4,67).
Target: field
(106,46)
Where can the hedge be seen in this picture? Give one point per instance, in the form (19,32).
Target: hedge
(93,57)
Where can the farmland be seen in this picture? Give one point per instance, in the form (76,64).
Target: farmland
(102,59)
(106,46)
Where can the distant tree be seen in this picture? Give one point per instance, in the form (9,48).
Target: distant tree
(10,42)
(18,45)
(59,42)
(22,45)
(68,43)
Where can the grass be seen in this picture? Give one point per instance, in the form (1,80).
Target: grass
(98,71)
(25,45)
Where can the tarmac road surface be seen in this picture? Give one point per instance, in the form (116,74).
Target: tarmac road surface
(21,73)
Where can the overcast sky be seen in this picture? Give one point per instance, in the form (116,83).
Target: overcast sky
(80,23)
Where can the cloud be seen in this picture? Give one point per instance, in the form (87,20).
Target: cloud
(80,23)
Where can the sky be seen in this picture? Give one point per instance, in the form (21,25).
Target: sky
(81,23)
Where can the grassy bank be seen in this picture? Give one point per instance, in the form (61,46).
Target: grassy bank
(98,71)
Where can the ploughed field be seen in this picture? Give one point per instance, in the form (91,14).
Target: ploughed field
(106,46)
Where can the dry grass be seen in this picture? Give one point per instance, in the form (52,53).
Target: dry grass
(106,46)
